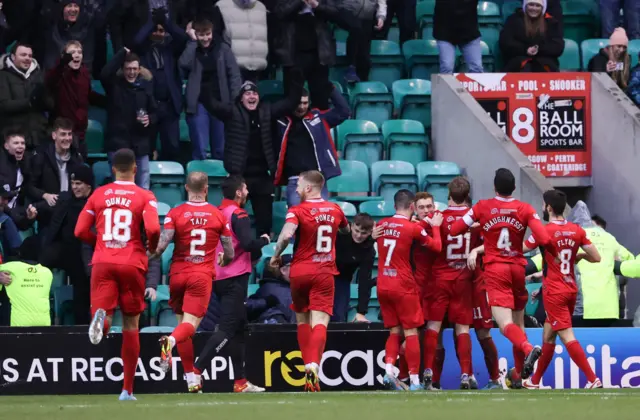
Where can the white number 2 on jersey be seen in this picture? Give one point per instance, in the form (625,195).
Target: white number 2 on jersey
(504,241)
(391,244)
(323,239)
(565,261)
(117,225)
(199,237)
(462,241)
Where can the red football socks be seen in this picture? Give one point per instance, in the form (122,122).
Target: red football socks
(491,358)
(304,338)
(463,346)
(185,351)
(412,352)
(543,363)
(518,361)
(402,366)
(239,382)
(130,353)
(317,343)
(430,346)
(392,348)
(577,355)
(183,332)
(518,338)
(438,364)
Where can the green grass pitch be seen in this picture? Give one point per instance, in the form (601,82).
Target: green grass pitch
(476,405)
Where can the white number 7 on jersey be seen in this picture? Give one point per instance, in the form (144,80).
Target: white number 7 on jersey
(391,244)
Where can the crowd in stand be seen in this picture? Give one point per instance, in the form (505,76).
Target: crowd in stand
(204,58)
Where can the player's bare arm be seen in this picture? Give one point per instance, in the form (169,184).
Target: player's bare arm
(288,230)
(591,254)
(228,253)
(473,257)
(166,237)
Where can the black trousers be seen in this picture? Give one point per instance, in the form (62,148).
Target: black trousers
(359,49)
(261,198)
(405,11)
(229,334)
(315,74)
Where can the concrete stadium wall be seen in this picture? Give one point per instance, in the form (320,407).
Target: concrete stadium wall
(463,133)
(616,167)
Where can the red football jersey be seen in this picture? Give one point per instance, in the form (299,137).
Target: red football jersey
(315,243)
(504,223)
(423,259)
(198,228)
(120,211)
(395,268)
(451,262)
(567,238)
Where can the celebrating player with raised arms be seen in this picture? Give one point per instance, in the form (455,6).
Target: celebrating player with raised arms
(559,289)
(195,227)
(315,224)
(120,211)
(398,292)
(504,221)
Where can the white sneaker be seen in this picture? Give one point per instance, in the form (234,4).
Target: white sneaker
(97,326)
(594,385)
(194,384)
(247,387)
(530,385)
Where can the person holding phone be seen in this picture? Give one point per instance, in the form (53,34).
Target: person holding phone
(614,59)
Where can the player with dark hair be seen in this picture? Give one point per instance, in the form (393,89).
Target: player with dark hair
(398,292)
(120,212)
(504,221)
(315,223)
(559,289)
(195,228)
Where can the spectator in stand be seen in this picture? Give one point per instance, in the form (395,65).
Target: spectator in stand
(28,291)
(370,14)
(243,25)
(554,8)
(455,24)
(405,11)
(271,303)
(531,40)
(614,60)
(610,17)
(159,44)
(70,84)
(212,72)
(23,98)
(306,143)
(10,238)
(131,110)
(250,150)
(15,178)
(71,20)
(59,246)
(305,40)
(51,169)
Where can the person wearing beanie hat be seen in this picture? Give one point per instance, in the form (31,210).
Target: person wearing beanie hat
(614,59)
(532,39)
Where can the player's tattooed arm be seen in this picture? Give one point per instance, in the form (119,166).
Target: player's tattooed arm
(286,235)
(166,237)
(227,247)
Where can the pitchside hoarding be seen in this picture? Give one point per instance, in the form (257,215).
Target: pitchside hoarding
(547,115)
(51,363)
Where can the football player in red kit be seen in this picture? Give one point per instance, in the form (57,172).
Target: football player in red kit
(195,227)
(559,289)
(398,292)
(504,221)
(315,224)
(453,287)
(120,211)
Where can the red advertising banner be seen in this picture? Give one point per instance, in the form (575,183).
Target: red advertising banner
(547,115)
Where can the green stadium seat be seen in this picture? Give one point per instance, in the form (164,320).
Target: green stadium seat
(163,210)
(340,35)
(435,176)
(424,14)
(115,329)
(490,24)
(387,63)
(378,209)
(422,58)
(440,205)
(412,98)
(94,139)
(166,259)
(97,87)
(371,101)
(354,180)
(579,21)
(63,305)
(360,140)
(394,31)
(590,48)
(509,8)
(110,51)
(252,289)
(405,140)
(216,173)
(162,296)
(59,278)
(271,90)
(570,58)
(348,209)
(116,321)
(101,173)
(157,330)
(279,215)
(488,61)
(184,129)
(388,176)
(166,318)
(337,71)
(532,304)
(167,181)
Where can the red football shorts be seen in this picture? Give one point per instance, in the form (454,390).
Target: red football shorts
(455,299)
(506,286)
(190,293)
(117,284)
(559,308)
(482,317)
(400,309)
(312,292)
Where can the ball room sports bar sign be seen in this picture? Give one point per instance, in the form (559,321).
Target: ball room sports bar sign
(547,115)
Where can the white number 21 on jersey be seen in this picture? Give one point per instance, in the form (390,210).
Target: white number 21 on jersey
(117,225)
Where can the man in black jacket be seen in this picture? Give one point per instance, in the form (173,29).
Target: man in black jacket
(354,251)
(249,149)
(15,178)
